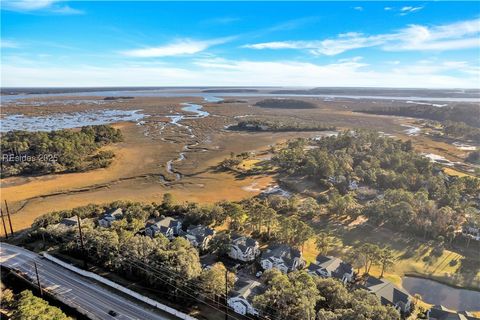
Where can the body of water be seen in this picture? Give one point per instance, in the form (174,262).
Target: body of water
(198,113)
(68,120)
(437,293)
(210,98)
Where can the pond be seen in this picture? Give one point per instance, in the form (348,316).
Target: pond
(437,293)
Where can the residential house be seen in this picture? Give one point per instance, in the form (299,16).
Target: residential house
(241,299)
(388,293)
(70,222)
(471,231)
(108,218)
(282,257)
(353,185)
(243,248)
(199,236)
(441,313)
(327,266)
(168,226)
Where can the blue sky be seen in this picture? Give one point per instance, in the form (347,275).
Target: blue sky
(120,43)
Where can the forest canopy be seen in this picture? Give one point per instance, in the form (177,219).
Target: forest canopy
(459,113)
(414,194)
(285,104)
(36,153)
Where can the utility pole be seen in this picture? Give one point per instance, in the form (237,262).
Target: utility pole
(4,225)
(226,294)
(38,279)
(81,242)
(9,219)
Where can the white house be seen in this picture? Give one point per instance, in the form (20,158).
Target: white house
(388,293)
(243,248)
(199,236)
(241,298)
(327,267)
(108,218)
(168,226)
(472,232)
(282,257)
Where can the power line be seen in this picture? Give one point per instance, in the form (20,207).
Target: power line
(158,273)
(183,291)
(4,225)
(9,219)
(162,271)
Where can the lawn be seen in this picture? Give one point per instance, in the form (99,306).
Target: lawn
(414,256)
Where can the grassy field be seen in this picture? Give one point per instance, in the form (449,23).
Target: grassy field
(414,255)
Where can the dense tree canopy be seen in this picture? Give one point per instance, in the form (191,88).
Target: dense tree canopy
(31,307)
(460,113)
(24,152)
(299,295)
(414,194)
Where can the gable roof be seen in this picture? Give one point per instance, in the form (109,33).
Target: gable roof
(439,312)
(200,232)
(113,214)
(386,290)
(164,224)
(283,252)
(243,243)
(247,289)
(335,266)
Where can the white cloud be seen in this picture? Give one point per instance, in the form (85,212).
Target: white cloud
(216,71)
(4,43)
(358,8)
(408,9)
(388,8)
(49,6)
(27,5)
(455,36)
(179,47)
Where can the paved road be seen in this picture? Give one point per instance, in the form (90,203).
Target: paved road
(84,294)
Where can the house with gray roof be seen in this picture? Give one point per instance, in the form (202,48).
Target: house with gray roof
(327,267)
(109,217)
(471,231)
(439,312)
(199,236)
(282,257)
(388,293)
(241,299)
(243,248)
(168,226)
(70,222)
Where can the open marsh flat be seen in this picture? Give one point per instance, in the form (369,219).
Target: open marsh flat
(173,142)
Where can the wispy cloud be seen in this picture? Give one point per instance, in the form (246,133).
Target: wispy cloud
(387,8)
(217,71)
(43,6)
(455,36)
(176,48)
(358,8)
(221,21)
(292,24)
(5,43)
(409,9)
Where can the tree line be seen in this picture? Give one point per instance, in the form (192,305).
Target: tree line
(466,113)
(280,125)
(414,194)
(25,305)
(35,153)
(298,295)
(173,269)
